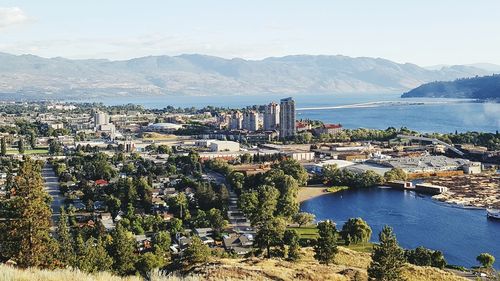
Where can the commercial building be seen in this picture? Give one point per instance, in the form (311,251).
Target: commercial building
(250,121)
(164,127)
(271,117)
(287,118)
(230,146)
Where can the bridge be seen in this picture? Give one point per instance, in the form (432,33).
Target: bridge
(434,141)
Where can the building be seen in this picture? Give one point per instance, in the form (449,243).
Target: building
(231,146)
(271,117)
(164,127)
(250,121)
(287,118)
(236,121)
(330,129)
(100,118)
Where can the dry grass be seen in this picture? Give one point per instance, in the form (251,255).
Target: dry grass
(348,263)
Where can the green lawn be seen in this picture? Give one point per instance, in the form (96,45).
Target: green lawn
(306,232)
(29,151)
(311,232)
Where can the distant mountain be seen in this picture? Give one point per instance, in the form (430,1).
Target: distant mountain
(484,88)
(28,76)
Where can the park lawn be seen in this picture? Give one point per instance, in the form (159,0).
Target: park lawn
(29,151)
(306,232)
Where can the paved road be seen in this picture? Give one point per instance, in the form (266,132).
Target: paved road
(52,188)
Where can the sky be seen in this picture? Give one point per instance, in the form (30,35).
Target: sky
(423,32)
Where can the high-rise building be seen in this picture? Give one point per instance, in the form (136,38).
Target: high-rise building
(287,118)
(251,121)
(100,118)
(271,116)
(236,121)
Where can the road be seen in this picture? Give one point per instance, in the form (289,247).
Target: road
(52,188)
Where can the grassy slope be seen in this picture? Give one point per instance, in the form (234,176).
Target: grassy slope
(347,264)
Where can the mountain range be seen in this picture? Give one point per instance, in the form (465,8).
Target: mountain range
(29,76)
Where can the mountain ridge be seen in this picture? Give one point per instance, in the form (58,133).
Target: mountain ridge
(196,74)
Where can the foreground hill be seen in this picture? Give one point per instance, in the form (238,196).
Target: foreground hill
(349,265)
(28,76)
(484,88)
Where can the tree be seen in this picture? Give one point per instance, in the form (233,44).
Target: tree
(303,218)
(20,146)
(356,230)
(287,202)
(291,239)
(270,233)
(486,259)
(55,147)
(65,239)
(196,252)
(425,257)
(32,139)
(95,258)
(175,225)
(161,245)
(293,168)
(387,257)
(147,262)
(122,251)
(217,221)
(3,151)
(395,174)
(326,246)
(25,238)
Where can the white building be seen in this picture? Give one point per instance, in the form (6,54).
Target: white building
(287,118)
(271,116)
(217,146)
(100,118)
(164,127)
(236,121)
(251,121)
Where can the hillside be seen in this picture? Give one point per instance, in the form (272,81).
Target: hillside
(484,88)
(28,76)
(348,265)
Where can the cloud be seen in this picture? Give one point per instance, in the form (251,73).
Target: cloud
(10,16)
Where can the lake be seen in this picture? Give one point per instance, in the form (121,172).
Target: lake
(417,220)
(425,115)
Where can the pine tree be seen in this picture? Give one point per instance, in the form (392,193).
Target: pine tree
(65,239)
(196,252)
(96,257)
(27,232)
(291,239)
(4,148)
(122,250)
(326,246)
(20,147)
(387,258)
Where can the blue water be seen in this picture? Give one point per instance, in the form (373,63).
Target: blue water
(446,118)
(417,220)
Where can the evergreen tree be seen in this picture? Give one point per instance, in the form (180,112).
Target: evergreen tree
(65,239)
(326,246)
(387,258)
(161,245)
(291,239)
(26,233)
(32,139)
(270,234)
(147,262)
(196,252)
(122,250)
(3,151)
(20,146)
(96,257)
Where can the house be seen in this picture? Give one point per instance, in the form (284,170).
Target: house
(143,242)
(107,221)
(240,244)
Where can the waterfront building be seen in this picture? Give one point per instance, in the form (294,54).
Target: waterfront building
(287,118)
(271,117)
(330,129)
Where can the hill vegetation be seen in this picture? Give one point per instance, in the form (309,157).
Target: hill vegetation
(484,88)
(29,76)
(348,264)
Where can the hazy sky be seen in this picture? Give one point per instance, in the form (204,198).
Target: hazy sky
(424,32)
